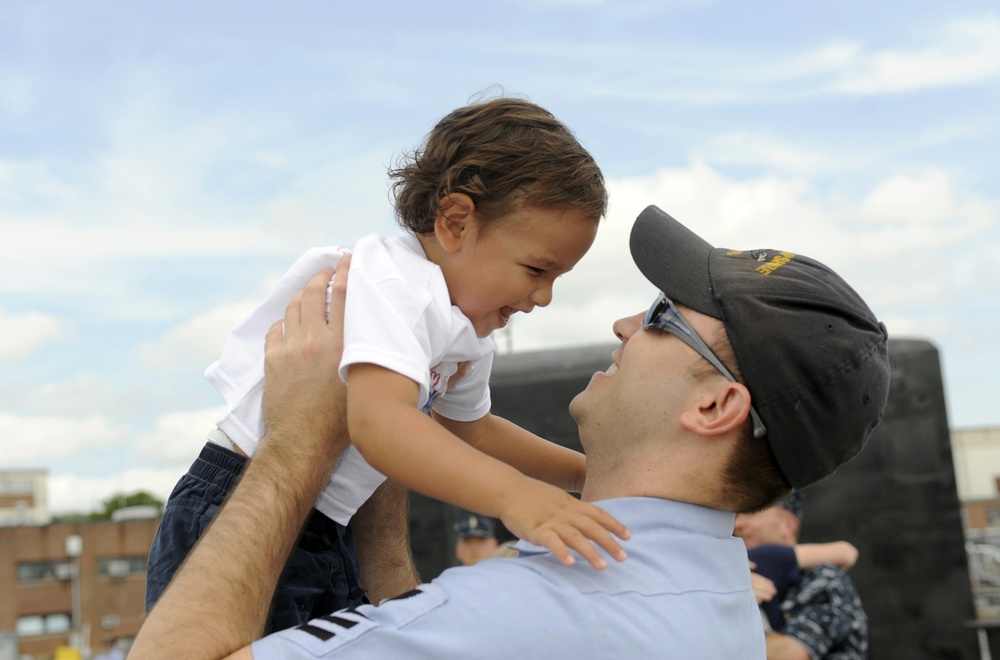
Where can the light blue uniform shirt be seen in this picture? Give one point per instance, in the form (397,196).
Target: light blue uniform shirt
(684,592)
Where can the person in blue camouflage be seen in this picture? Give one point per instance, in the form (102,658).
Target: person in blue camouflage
(822,612)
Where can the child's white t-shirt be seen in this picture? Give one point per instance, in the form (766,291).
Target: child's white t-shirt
(399,316)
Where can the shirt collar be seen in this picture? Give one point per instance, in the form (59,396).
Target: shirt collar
(644,515)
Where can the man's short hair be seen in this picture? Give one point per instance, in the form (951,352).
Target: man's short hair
(812,354)
(751,473)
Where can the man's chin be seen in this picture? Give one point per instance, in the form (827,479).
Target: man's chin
(577,405)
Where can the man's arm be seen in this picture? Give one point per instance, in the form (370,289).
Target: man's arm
(841,553)
(219,599)
(382,535)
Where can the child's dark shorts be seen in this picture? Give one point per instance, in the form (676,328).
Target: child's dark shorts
(321,576)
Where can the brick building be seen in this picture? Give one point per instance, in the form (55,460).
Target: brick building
(24,497)
(977,473)
(37,586)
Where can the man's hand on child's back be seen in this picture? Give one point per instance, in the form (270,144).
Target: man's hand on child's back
(303,390)
(544,515)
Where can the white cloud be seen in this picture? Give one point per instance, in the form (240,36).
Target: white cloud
(944,134)
(172,446)
(980,272)
(961,52)
(768,211)
(968,52)
(927,237)
(173,184)
(69,493)
(80,395)
(766,150)
(32,441)
(178,436)
(923,200)
(930,326)
(883,244)
(29,183)
(828,59)
(53,240)
(198,342)
(22,335)
(17,93)
(577,325)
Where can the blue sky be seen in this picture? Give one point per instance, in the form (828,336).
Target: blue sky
(161,164)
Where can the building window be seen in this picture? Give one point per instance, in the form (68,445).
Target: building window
(44,571)
(17,485)
(993,514)
(118,567)
(43,624)
(30,626)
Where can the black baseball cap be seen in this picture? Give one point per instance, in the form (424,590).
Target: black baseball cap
(812,354)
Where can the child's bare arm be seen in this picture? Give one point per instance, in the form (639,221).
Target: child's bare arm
(417,452)
(841,553)
(529,453)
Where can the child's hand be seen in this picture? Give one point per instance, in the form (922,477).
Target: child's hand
(763,588)
(547,516)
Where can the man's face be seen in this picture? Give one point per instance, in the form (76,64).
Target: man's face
(474,549)
(772,525)
(650,380)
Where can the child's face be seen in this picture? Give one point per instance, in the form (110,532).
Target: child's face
(513,266)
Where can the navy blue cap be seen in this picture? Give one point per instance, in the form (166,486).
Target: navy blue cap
(794,503)
(472,525)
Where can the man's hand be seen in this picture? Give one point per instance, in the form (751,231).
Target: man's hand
(547,516)
(301,356)
(218,601)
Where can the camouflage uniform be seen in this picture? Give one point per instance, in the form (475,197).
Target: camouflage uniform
(823,613)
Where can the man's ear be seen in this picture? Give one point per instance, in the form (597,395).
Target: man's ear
(455,220)
(718,409)
(792,524)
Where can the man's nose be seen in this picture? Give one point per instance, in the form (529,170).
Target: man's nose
(624,328)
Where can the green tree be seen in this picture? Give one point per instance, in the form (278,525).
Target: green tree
(122,500)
